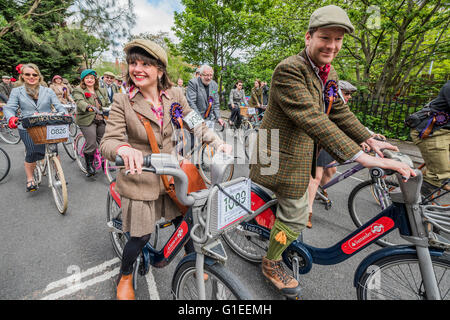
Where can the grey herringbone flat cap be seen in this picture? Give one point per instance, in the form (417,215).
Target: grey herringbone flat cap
(331,16)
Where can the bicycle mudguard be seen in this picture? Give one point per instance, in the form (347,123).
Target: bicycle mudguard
(259,197)
(387,252)
(114,194)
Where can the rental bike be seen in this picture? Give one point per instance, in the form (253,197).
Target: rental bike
(50,129)
(211,212)
(418,270)
(5,164)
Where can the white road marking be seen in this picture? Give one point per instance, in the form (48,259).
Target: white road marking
(74,283)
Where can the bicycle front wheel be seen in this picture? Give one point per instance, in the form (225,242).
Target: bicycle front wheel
(399,278)
(222,284)
(114,222)
(366,201)
(5,164)
(58,184)
(110,170)
(79,148)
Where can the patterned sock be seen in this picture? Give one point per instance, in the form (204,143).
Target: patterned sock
(280,238)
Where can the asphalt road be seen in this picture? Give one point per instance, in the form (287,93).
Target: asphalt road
(46,255)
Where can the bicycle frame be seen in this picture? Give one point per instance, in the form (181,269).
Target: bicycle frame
(358,167)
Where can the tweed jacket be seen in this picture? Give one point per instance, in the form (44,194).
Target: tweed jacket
(198,100)
(124,128)
(20,99)
(256,97)
(84,117)
(59,91)
(296,109)
(113,90)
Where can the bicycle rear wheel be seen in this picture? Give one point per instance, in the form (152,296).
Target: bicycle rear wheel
(5,164)
(8,135)
(364,203)
(399,278)
(222,284)
(58,184)
(206,154)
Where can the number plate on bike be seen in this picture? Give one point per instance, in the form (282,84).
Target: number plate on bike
(57,131)
(229,211)
(251,111)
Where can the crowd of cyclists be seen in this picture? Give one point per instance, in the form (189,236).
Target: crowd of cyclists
(112,111)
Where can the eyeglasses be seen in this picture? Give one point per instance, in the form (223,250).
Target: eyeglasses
(207,75)
(31,75)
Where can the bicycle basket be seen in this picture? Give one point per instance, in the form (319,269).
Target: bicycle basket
(47,128)
(225,213)
(244,111)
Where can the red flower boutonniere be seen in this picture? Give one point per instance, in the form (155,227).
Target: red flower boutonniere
(87,94)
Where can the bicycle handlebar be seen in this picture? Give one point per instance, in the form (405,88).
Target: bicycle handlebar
(166,164)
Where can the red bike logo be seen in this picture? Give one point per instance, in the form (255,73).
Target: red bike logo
(373,231)
(176,239)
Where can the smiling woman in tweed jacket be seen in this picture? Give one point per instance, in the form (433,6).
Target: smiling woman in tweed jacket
(296,110)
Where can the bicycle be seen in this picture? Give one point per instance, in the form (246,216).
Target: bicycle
(409,271)
(109,168)
(50,129)
(73,129)
(212,211)
(8,135)
(5,164)
(362,207)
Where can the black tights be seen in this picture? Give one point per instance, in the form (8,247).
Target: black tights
(134,246)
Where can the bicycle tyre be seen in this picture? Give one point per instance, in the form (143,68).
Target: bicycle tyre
(5,164)
(363,194)
(37,174)
(204,165)
(247,244)
(58,183)
(78,145)
(114,214)
(248,143)
(70,150)
(401,268)
(184,283)
(73,129)
(110,170)
(8,135)
(246,125)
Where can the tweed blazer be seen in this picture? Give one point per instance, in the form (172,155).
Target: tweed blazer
(20,99)
(296,109)
(124,128)
(84,117)
(198,100)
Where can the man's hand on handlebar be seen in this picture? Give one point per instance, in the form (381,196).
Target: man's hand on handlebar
(377,146)
(132,159)
(384,163)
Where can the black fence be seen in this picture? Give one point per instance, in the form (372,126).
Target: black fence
(385,116)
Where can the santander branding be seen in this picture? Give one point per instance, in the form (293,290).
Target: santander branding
(373,231)
(176,239)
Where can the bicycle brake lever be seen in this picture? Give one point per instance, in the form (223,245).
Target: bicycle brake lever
(143,169)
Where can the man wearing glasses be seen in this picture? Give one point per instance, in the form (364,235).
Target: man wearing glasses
(202,95)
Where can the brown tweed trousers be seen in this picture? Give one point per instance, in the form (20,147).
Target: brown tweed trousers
(296,108)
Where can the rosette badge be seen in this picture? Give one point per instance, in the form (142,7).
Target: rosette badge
(331,91)
(176,114)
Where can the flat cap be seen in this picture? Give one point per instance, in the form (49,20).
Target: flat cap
(346,86)
(331,16)
(6,77)
(150,47)
(110,74)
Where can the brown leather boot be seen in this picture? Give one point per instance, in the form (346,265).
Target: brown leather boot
(309,224)
(275,273)
(125,289)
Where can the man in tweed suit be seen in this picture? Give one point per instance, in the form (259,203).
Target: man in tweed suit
(296,112)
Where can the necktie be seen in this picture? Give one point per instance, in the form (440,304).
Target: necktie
(323,73)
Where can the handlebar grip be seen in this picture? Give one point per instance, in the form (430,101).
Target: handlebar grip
(146,163)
